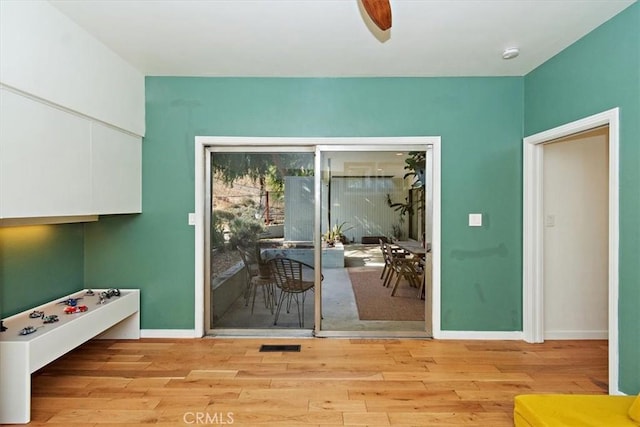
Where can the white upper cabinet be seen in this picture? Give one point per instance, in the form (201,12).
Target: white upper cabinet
(71,119)
(115,165)
(57,163)
(44,168)
(45,54)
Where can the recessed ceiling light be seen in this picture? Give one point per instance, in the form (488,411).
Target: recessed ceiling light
(510,53)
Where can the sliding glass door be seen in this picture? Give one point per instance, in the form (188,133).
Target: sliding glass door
(296,233)
(370,197)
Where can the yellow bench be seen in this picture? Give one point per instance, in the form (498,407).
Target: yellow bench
(573,410)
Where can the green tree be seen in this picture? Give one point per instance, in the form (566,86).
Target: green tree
(261,167)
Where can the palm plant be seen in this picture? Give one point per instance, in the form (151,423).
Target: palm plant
(415,165)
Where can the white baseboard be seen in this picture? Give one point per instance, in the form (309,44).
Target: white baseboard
(576,335)
(168,333)
(445,335)
(480,335)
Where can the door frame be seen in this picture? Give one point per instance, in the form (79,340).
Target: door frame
(533,228)
(202,143)
(431,326)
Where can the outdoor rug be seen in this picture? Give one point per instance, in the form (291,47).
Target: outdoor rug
(375,302)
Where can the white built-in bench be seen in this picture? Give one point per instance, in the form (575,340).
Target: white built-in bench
(21,355)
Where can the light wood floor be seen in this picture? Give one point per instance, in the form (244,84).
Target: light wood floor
(331,382)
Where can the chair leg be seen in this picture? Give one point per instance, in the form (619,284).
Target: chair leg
(387,280)
(280,301)
(289,297)
(247,292)
(300,316)
(395,285)
(385,274)
(384,270)
(267,293)
(253,299)
(300,310)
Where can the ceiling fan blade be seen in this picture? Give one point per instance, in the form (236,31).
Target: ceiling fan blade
(379,11)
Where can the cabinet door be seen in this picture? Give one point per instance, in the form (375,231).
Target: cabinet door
(116,159)
(45,167)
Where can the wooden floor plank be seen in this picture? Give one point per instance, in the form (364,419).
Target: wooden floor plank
(330,382)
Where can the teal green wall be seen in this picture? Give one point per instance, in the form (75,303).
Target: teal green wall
(38,264)
(600,72)
(479,119)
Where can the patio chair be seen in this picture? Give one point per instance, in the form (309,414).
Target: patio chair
(387,264)
(425,265)
(410,270)
(389,255)
(258,276)
(294,278)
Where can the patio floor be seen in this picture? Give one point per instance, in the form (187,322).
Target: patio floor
(340,312)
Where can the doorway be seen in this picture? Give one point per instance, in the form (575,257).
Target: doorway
(534,226)
(305,233)
(370,200)
(575,194)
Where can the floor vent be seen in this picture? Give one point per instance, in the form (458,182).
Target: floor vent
(271,348)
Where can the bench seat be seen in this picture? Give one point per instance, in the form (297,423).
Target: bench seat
(558,410)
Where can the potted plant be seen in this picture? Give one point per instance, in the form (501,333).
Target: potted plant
(336,234)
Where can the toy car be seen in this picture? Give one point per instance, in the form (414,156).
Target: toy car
(75,309)
(71,302)
(50,319)
(28,330)
(35,314)
(89,293)
(110,293)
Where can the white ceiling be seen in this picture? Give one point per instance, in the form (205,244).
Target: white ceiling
(327,38)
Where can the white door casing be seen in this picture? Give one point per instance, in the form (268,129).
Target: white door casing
(364,144)
(533,218)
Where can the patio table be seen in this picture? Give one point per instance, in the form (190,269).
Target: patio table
(412,246)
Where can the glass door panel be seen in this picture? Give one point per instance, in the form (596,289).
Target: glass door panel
(367,199)
(261,207)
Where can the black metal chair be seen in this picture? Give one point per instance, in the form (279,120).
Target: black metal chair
(294,279)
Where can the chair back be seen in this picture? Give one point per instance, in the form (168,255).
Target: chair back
(386,254)
(251,258)
(288,274)
(390,253)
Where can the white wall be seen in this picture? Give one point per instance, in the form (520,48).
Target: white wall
(362,204)
(576,238)
(299,194)
(46,55)
(358,202)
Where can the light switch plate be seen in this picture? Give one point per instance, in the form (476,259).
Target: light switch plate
(192,218)
(475,220)
(550,220)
